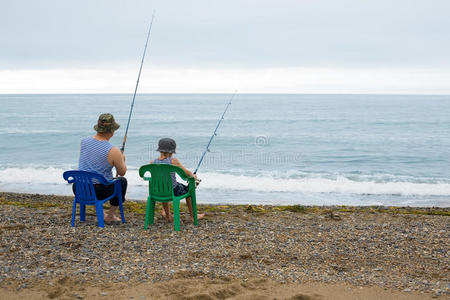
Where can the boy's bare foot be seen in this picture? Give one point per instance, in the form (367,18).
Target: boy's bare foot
(167,218)
(200,216)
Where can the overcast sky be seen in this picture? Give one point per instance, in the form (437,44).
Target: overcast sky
(303,46)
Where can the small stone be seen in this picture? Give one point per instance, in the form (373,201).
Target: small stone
(407,290)
(104,294)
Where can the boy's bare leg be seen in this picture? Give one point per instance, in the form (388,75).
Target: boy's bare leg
(189,205)
(165,212)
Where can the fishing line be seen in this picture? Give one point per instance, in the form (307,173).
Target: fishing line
(212,136)
(122,149)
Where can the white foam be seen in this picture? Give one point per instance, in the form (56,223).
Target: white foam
(27,175)
(227,182)
(339,185)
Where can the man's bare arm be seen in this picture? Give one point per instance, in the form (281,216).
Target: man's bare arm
(117,159)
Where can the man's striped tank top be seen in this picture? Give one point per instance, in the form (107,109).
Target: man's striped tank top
(94,157)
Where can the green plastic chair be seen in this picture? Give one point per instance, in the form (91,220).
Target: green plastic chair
(160,189)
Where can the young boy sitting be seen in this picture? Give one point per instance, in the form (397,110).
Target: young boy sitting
(167,147)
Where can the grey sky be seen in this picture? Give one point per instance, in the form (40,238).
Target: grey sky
(225,34)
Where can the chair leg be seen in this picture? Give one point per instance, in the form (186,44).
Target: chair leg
(149,212)
(99,211)
(82,212)
(176,214)
(74,211)
(152,211)
(194,208)
(122,215)
(120,196)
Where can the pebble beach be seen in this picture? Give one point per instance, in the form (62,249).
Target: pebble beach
(236,252)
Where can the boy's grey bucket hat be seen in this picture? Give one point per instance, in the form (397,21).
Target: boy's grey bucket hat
(167,145)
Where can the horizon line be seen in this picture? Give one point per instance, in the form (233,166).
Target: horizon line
(232,92)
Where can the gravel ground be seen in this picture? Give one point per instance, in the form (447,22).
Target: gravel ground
(407,252)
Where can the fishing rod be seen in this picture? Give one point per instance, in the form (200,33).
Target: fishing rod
(122,149)
(197,182)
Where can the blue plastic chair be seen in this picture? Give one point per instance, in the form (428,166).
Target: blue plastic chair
(85,194)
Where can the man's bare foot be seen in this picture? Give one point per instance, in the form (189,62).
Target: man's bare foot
(112,218)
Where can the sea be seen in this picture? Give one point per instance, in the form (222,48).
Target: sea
(277,149)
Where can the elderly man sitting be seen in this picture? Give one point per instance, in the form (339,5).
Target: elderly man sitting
(99,156)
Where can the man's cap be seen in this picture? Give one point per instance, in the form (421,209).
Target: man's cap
(167,145)
(106,123)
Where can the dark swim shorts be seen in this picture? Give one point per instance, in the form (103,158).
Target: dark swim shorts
(180,189)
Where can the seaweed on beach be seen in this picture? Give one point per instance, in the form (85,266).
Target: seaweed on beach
(47,201)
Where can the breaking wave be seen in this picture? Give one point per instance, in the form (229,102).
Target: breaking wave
(363,185)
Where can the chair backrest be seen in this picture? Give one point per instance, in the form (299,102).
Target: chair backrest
(160,185)
(84,183)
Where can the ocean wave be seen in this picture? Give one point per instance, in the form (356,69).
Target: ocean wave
(27,175)
(340,185)
(312,183)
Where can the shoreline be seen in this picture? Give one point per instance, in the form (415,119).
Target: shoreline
(239,251)
(37,200)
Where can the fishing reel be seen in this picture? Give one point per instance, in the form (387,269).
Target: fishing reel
(197,182)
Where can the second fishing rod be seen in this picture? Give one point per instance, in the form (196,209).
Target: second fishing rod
(197,182)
